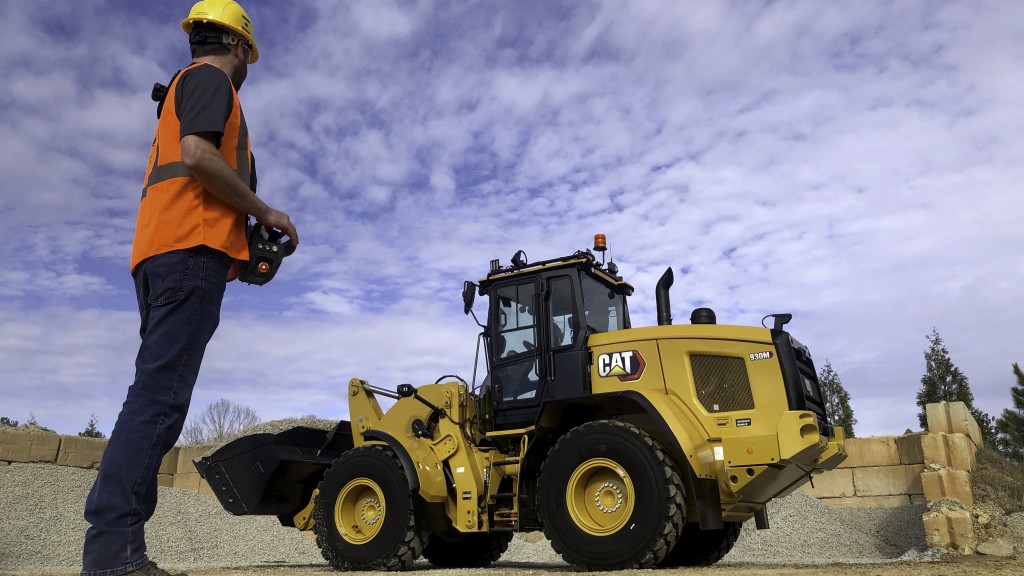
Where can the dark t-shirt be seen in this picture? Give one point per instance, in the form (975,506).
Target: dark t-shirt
(203,100)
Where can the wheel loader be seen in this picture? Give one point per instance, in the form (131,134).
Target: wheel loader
(627,447)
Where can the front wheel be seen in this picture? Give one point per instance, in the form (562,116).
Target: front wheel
(610,498)
(363,516)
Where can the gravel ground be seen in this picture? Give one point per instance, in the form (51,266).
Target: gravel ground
(42,531)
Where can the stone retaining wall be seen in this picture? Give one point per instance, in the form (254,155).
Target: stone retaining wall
(880,471)
(933,468)
(916,468)
(17,446)
(950,450)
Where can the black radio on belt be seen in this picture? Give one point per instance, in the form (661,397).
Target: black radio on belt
(266,251)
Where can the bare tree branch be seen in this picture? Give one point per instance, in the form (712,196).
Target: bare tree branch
(220,421)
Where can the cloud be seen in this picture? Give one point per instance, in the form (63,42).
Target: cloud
(854,164)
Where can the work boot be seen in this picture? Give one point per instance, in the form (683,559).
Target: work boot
(152,569)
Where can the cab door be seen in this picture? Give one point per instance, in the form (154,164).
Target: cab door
(565,358)
(516,351)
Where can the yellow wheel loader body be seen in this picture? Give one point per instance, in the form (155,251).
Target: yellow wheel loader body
(628,447)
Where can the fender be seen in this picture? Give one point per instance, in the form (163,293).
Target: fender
(403,456)
(709,503)
(420,463)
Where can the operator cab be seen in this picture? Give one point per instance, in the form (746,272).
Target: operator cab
(540,316)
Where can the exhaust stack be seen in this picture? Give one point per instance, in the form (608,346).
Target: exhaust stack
(662,299)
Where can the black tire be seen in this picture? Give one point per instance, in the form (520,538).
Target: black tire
(698,547)
(610,498)
(363,516)
(475,550)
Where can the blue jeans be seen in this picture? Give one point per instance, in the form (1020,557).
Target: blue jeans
(179,295)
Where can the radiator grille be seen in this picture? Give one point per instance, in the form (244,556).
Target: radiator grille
(722,383)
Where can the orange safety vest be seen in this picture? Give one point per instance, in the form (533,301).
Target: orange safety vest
(176,212)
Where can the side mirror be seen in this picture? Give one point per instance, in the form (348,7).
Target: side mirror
(781,320)
(468,296)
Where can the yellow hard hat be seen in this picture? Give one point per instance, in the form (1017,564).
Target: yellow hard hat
(227,14)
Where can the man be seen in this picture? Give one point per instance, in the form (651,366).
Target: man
(189,240)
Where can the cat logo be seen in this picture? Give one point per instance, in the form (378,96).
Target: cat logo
(626,366)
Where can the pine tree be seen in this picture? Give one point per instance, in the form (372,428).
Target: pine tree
(90,430)
(942,380)
(1011,424)
(837,399)
(5,421)
(989,434)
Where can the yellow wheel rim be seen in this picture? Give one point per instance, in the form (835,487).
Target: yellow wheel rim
(359,511)
(600,497)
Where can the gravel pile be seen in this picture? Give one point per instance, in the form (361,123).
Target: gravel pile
(42,531)
(277,426)
(43,528)
(806,531)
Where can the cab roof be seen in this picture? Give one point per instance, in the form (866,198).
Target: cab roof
(582,259)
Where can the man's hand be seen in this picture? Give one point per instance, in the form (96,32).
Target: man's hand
(279,221)
(235,270)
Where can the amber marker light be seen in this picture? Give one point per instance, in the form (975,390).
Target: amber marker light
(263,267)
(600,243)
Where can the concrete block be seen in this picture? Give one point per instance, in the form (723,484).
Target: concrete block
(186,454)
(169,464)
(888,480)
(953,484)
(80,452)
(950,530)
(909,447)
(869,502)
(916,499)
(953,418)
(165,480)
(937,417)
(187,481)
(18,446)
(956,451)
(832,484)
(873,451)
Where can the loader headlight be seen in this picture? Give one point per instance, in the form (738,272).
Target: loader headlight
(808,386)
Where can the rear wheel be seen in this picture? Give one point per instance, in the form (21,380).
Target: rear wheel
(363,515)
(698,547)
(610,498)
(456,550)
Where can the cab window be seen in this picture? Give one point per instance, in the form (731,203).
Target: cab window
(562,311)
(515,376)
(516,324)
(604,310)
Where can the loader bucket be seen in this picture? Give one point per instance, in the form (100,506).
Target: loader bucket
(273,474)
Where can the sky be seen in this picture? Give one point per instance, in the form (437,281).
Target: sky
(856,164)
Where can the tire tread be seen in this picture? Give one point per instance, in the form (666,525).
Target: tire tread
(675,511)
(401,558)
